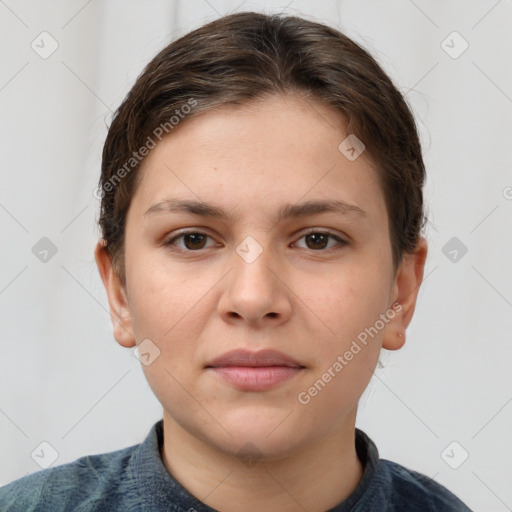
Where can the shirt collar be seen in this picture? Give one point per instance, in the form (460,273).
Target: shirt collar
(157,488)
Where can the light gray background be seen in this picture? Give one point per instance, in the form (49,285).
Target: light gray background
(64,379)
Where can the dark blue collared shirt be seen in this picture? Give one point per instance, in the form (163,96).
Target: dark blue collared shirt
(135,479)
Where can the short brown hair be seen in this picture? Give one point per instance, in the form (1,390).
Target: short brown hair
(247,56)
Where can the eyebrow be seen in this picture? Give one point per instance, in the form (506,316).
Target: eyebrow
(174,205)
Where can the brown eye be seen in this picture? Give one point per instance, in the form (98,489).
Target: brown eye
(192,240)
(319,240)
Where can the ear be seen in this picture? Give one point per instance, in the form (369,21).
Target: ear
(117,297)
(407,283)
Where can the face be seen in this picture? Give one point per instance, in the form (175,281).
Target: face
(260,270)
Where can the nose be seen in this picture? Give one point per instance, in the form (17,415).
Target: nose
(256,292)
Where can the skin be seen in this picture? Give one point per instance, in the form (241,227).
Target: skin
(309,300)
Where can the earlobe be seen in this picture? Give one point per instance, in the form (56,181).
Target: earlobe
(117,297)
(405,292)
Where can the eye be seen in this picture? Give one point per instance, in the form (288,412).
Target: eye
(318,240)
(192,240)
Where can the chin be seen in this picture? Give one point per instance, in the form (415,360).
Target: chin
(252,447)
(267,435)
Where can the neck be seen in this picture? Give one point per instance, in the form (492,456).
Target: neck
(315,478)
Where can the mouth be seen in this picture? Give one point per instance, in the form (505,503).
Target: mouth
(254,371)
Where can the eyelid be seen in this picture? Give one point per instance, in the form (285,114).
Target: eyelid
(325,231)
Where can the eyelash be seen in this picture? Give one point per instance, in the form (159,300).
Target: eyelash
(341,242)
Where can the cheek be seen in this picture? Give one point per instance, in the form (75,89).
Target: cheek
(346,350)
(347,302)
(347,343)
(162,300)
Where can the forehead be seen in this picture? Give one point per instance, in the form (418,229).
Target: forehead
(269,153)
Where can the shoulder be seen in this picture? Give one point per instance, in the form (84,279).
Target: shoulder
(419,492)
(77,485)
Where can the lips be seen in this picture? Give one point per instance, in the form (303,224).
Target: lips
(261,358)
(254,371)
